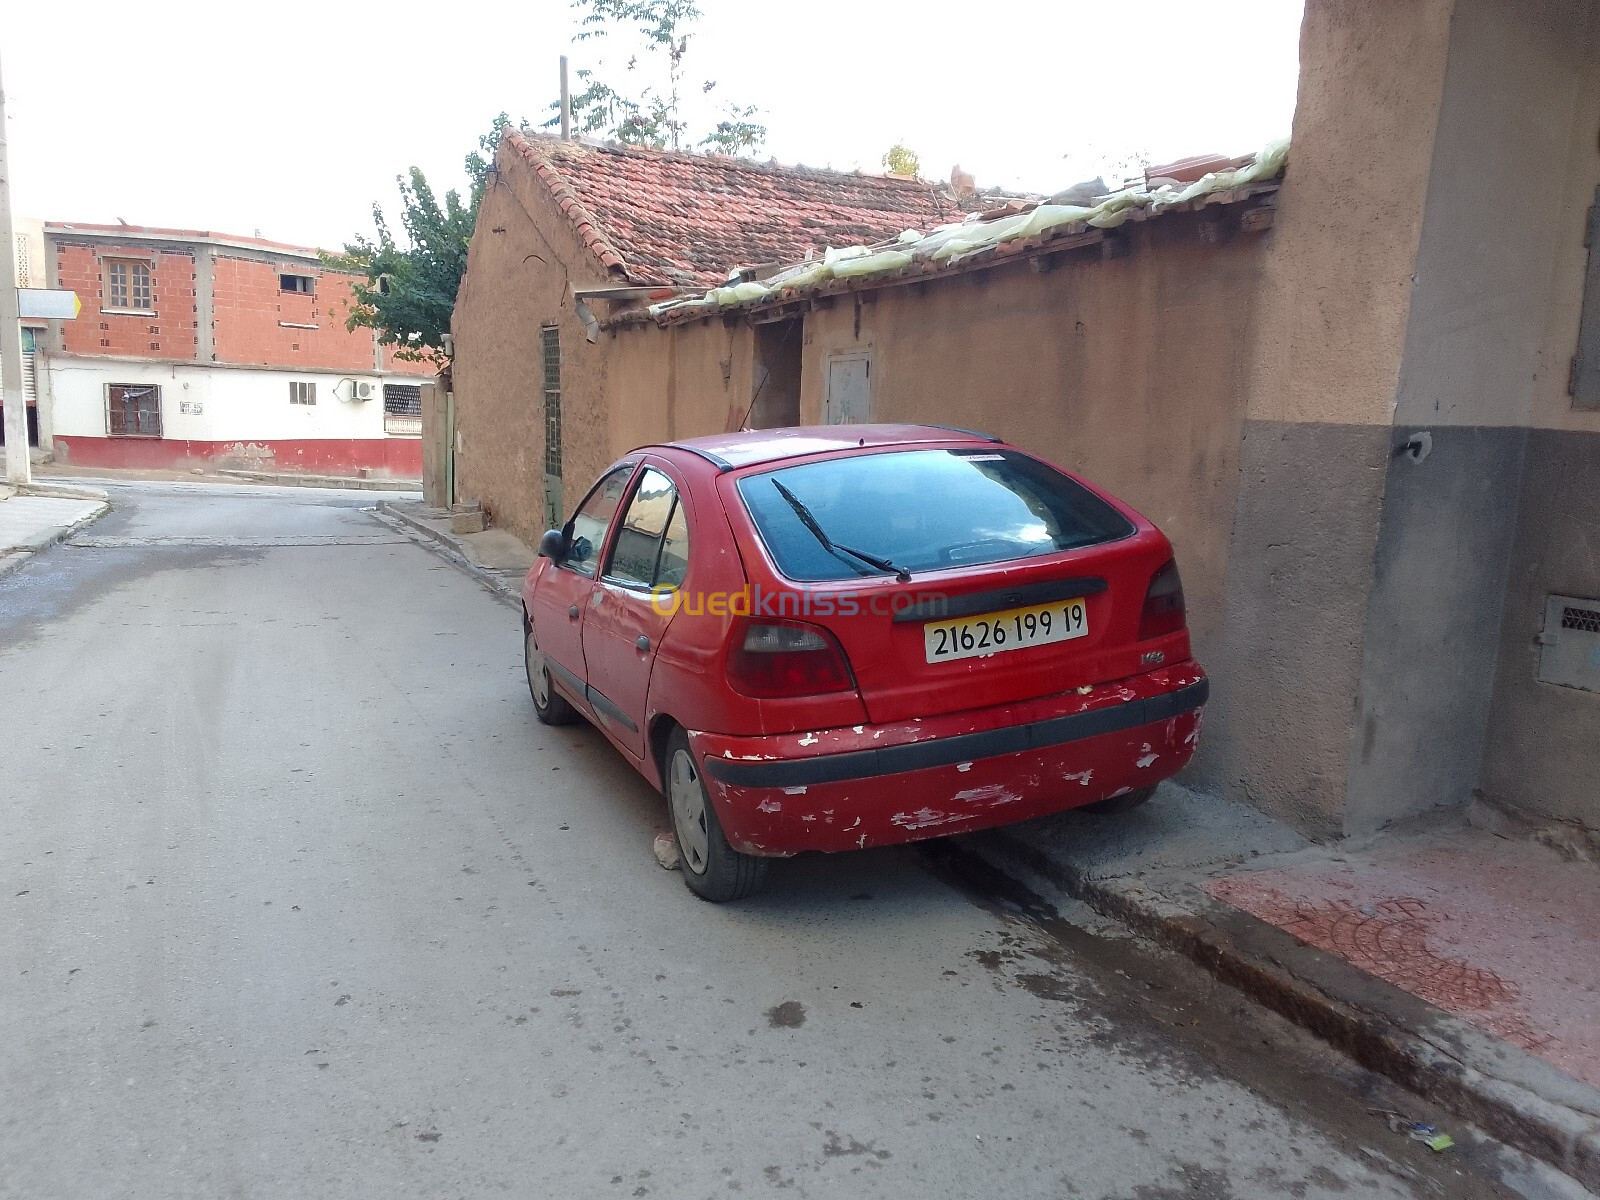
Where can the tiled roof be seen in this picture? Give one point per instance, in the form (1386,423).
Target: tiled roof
(1009,232)
(659,216)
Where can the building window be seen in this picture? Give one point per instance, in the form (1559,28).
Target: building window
(133,410)
(304,284)
(402,409)
(1585,379)
(128,284)
(550,343)
(302,393)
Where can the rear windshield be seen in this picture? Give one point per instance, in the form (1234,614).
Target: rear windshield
(923,510)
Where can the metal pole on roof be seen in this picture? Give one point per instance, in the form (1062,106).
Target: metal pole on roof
(566,103)
(19,471)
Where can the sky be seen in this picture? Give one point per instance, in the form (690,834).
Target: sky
(292,118)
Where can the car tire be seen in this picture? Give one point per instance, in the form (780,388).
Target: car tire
(549,705)
(1123,803)
(714,870)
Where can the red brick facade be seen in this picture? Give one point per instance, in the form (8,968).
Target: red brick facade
(259,323)
(255,321)
(167,331)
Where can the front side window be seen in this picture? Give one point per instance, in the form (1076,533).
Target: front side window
(922,510)
(133,410)
(587,530)
(636,559)
(128,284)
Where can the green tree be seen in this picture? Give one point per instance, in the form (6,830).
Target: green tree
(407,291)
(653,112)
(900,159)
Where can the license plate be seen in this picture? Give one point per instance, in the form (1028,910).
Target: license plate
(1001,632)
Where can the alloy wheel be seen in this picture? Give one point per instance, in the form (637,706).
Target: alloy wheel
(689,812)
(538,677)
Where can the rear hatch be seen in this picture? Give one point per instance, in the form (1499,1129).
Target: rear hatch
(998,578)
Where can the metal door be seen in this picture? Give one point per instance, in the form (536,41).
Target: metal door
(849,398)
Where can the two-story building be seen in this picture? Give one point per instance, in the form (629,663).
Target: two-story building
(206,350)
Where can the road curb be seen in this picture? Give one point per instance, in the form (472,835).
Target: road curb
(13,557)
(1383,1028)
(340,482)
(453,551)
(66,491)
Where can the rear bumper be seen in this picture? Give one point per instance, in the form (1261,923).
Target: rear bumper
(867,785)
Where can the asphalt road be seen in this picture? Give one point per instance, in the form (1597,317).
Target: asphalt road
(300,901)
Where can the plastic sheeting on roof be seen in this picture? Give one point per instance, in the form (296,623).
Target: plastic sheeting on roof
(954,243)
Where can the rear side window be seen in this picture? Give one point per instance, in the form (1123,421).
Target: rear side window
(674,563)
(923,510)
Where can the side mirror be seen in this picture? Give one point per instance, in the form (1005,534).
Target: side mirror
(553,545)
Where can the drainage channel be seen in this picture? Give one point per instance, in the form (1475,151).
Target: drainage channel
(1159,1006)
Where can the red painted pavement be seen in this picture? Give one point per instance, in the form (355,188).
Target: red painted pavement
(398,458)
(1502,933)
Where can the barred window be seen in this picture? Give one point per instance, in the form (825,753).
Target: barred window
(402,408)
(302,393)
(551,342)
(133,410)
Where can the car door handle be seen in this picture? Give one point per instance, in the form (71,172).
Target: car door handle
(572,612)
(643,643)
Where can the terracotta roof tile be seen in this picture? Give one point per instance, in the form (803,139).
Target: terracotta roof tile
(659,216)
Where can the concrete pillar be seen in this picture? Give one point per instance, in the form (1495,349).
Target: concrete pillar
(1500,515)
(1404,332)
(1469,369)
(205,280)
(1325,360)
(435,447)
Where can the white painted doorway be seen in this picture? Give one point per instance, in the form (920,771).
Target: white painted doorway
(849,398)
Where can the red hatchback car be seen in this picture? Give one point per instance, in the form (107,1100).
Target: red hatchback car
(850,636)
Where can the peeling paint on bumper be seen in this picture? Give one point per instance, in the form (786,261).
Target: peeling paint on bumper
(849,801)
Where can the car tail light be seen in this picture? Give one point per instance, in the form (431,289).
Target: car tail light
(1163,604)
(787,658)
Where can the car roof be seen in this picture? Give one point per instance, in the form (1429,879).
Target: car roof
(753,447)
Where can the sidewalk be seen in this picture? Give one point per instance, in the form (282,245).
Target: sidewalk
(67,471)
(1462,964)
(499,560)
(347,482)
(41,516)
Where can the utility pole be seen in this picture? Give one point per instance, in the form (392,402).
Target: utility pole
(19,470)
(566,103)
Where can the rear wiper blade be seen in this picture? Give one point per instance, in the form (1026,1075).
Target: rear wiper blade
(828,544)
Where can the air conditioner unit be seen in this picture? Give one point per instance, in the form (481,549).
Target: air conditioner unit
(364,390)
